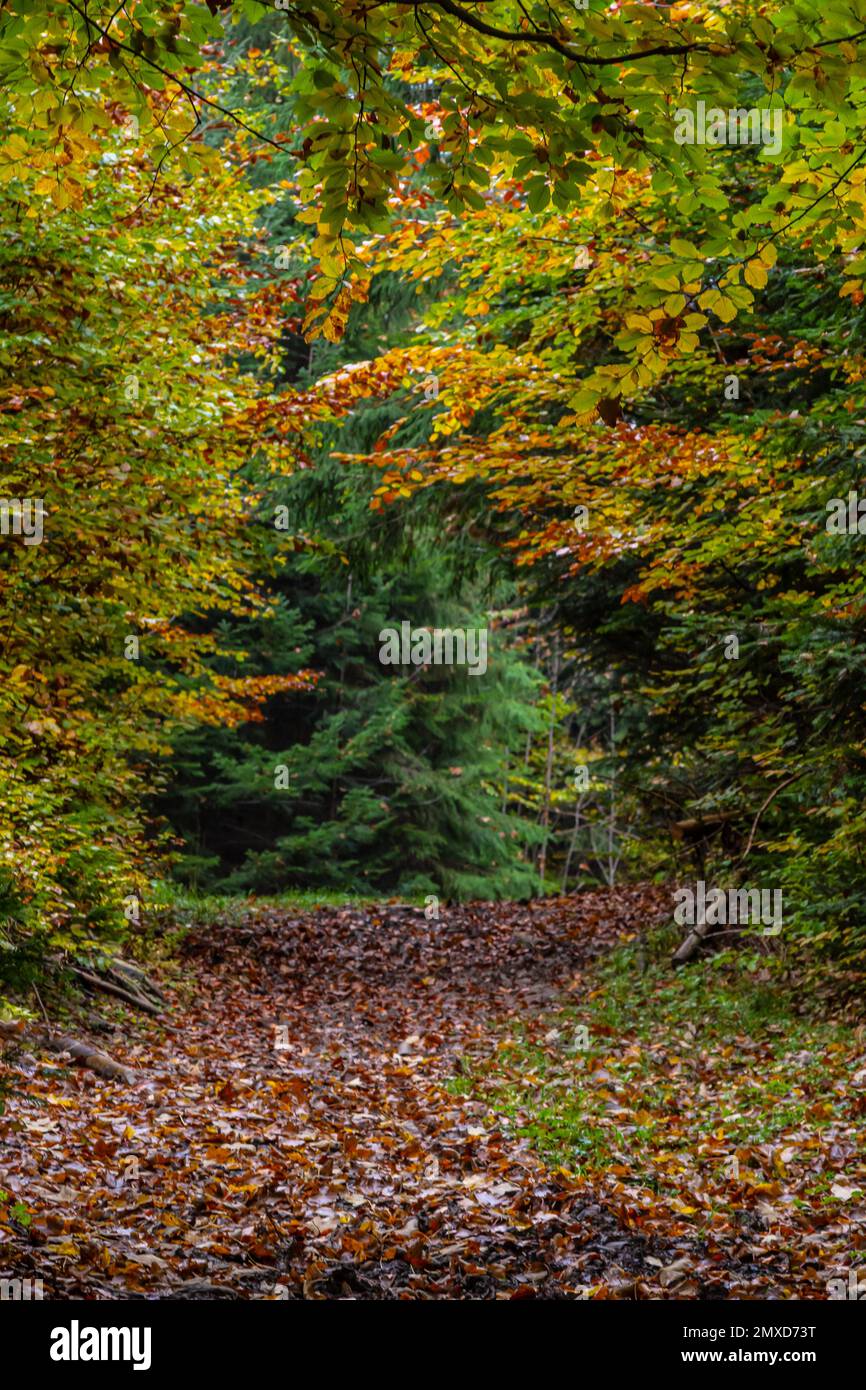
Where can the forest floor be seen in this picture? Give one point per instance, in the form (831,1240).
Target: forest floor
(361,1103)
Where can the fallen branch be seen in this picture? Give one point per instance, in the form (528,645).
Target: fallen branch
(684,827)
(121,967)
(80,1052)
(106,987)
(687,948)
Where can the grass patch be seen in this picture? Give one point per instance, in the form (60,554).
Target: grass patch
(201,908)
(712,1088)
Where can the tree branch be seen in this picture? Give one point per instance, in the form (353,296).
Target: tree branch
(546,40)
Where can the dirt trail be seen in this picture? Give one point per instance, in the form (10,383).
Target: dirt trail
(291,1135)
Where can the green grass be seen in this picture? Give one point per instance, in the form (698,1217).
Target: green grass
(210,907)
(685,1070)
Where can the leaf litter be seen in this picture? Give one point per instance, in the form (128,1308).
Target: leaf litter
(319,1116)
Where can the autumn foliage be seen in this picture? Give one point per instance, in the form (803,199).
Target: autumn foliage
(321,319)
(590,288)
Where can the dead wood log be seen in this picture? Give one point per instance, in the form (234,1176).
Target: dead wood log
(106,987)
(80,1052)
(694,824)
(687,948)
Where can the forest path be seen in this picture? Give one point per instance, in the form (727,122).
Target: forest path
(294,1134)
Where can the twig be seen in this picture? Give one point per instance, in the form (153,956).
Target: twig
(42,1006)
(773,793)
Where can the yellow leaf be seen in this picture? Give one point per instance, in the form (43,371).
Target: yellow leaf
(756,274)
(685,249)
(323,244)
